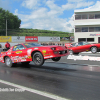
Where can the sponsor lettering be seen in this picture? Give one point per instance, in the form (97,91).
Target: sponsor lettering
(55,38)
(35,48)
(31,38)
(94,34)
(18,52)
(29,52)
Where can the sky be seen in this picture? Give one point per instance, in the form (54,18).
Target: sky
(56,15)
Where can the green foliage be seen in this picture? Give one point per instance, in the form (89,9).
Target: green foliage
(37,32)
(13,22)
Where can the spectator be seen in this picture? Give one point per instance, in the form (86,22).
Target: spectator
(53,43)
(7,45)
(0,46)
(63,44)
(56,44)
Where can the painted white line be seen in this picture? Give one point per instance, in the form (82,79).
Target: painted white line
(90,52)
(45,94)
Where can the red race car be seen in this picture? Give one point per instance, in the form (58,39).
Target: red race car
(76,48)
(27,52)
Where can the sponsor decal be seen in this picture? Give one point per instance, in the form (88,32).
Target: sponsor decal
(23,57)
(31,39)
(18,52)
(48,56)
(29,57)
(94,34)
(18,38)
(26,44)
(23,60)
(5,38)
(29,52)
(35,48)
(15,46)
(18,59)
(44,51)
(55,38)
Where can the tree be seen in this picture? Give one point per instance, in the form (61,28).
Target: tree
(13,22)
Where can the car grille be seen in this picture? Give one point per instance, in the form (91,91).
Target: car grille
(63,52)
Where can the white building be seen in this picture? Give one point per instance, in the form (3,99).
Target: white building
(87,26)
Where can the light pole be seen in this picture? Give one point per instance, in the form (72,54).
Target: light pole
(6,26)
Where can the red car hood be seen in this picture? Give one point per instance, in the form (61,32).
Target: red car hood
(50,46)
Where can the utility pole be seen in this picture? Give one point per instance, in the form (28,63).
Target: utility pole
(6,26)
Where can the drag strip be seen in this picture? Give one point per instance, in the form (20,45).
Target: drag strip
(93,59)
(62,80)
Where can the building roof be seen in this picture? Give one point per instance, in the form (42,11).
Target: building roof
(86,10)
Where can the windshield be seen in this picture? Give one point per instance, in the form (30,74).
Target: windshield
(85,43)
(79,44)
(29,45)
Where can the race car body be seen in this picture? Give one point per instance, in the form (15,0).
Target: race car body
(78,47)
(27,52)
(67,45)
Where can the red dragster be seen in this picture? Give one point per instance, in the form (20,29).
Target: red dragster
(27,52)
(76,48)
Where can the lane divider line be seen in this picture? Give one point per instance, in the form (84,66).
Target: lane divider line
(45,94)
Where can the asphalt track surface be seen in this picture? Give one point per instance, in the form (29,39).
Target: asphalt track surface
(63,80)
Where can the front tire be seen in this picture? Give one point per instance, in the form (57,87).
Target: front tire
(38,59)
(94,49)
(9,63)
(56,58)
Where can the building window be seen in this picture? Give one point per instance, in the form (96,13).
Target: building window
(90,39)
(81,39)
(91,16)
(97,29)
(84,16)
(97,16)
(78,29)
(84,29)
(77,17)
(91,29)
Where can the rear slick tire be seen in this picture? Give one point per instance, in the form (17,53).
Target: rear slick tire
(38,59)
(9,63)
(94,50)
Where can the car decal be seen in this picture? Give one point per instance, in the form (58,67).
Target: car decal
(18,52)
(26,44)
(44,51)
(15,46)
(47,54)
(35,48)
(29,52)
